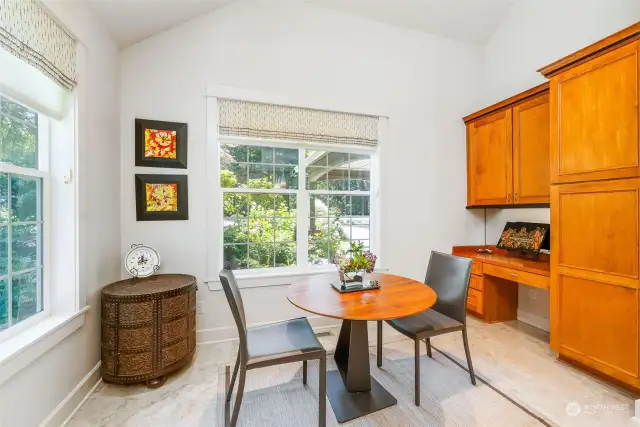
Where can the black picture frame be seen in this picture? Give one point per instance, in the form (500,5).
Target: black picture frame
(183,197)
(516,237)
(180,162)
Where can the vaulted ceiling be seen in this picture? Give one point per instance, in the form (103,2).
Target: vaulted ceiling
(474,21)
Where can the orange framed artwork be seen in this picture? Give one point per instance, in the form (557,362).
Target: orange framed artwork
(160,144)
(161,197)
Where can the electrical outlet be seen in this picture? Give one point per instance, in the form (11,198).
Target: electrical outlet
(199,310)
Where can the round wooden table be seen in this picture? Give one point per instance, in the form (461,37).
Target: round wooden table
(351,389)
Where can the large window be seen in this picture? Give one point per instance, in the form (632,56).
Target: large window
(271,193)
(21,214)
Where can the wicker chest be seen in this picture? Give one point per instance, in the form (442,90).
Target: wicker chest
(148,328)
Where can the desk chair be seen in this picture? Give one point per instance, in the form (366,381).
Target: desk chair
(448,275)
(269,345)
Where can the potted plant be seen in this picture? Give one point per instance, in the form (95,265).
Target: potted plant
(354,263)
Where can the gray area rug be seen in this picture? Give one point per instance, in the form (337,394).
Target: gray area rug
(275,396)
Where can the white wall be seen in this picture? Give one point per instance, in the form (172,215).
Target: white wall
(424,83)
(30,396)
(533,34)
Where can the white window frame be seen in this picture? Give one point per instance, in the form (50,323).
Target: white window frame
(44,137)
(302,203)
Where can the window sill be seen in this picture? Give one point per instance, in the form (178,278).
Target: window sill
(247,278)
(18,352)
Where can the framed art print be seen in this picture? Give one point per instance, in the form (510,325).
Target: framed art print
(162,197)
(161,144)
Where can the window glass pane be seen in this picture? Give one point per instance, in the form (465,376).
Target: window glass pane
(285,229)
(261,255)
(230,153)
(285,254)
(24,295)
(18,135)
(235,256)
(315,158)
(233,175)
(4,250)
(286,156)
(359,229)
(360,172)
(4,198)
(4,307)
(260,155)
(260,176)
(262,205)
(338,179)
(261,230)
(235,204)
(236,230)
(360,206)
(286,177)
(24,205)
(285,205)
(339,205)
(319,206)
(317,178)
(318,240)
(24,246)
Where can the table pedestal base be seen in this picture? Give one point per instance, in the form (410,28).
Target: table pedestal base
(348,406)
(351,390)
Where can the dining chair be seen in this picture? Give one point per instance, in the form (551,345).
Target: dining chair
(268,345)
(448,275)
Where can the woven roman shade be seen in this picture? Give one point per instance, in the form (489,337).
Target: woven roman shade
(29,33)
(250,119)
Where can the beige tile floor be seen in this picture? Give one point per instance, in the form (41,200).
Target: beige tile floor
(511,358)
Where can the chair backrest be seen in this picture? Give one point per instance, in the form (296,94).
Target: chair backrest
(232,292)
(449,276)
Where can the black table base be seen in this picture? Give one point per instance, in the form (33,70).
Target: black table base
(351,390)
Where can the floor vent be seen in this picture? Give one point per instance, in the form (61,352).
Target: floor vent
(324,334)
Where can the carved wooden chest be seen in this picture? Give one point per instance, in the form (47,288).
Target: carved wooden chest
(148,328)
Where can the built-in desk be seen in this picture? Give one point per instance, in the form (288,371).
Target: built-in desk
(493,290)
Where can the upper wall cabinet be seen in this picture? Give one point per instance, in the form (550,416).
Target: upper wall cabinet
(594,112)
(508,151)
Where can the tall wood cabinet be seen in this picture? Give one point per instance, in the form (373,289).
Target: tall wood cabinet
(508,151)
(595,206)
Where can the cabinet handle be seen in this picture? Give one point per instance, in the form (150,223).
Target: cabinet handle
(515,196)
(513,274)
(508,197)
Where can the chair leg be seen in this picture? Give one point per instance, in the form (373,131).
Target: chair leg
(236,406)
(379,344)
(304,372)
(322,392)
(466,351)
(233,378)
(417,372)
(428,342)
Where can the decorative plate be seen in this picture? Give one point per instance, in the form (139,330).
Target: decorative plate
(142,261)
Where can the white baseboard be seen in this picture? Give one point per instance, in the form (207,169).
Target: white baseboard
(534,320)
(230,333)
(62,413)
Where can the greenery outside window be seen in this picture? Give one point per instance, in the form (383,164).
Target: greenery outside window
(269,192)
(22,181)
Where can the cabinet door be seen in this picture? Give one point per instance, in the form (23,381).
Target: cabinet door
(594,119)
(489,160)
(594,275)
(531,151)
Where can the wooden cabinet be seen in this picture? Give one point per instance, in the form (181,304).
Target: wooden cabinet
(489,159)
(531,151)
(594,281)
(508,151)
(595,207)
(594,126)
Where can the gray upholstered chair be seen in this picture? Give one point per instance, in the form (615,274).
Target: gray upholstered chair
(448,275)
(268,345)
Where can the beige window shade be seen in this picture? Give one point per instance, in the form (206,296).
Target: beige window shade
(29,33)
(250,119)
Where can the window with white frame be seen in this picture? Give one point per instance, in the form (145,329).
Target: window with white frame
(23,160)
(272,190)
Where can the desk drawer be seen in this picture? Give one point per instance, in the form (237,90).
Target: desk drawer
(475,301)
(475,282)
(476,268)
(535,280)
